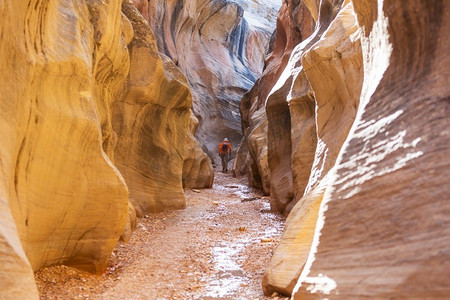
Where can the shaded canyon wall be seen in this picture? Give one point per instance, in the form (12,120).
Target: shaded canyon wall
(338,132)
(220,46)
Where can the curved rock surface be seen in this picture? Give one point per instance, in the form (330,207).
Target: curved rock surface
(197,166)
(72,108)
(381,230)
(293,25)
(321,84)
(346,132)
(151,122)
(220,46)
(68,201)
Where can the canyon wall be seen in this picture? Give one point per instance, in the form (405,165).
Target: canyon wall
(220,46)
(340,130)
(68,200)
(86,99)
(151,121)
(383,229)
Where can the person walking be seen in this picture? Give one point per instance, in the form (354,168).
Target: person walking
(225,153)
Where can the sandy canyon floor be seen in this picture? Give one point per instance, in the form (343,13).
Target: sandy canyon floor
(217,248)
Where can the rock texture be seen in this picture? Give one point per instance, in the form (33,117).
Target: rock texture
(349,137)
(321,85)
(63,64)
(151,122)
(293,24)
(392,174)
(72,109)
(220,46)
(197,166)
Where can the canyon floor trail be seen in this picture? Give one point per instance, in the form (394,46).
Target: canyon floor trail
(217,248)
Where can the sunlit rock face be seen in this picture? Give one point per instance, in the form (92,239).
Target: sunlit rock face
(68,201)
(220,46)
(356,139)
(317,96)
(151,122)
(382,229)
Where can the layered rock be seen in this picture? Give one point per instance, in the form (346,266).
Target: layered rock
(64,63)
(197,166)
(382,231)
(347,134)
(66,117)
(220,46)
(293,24)
(151,122)
(321,84)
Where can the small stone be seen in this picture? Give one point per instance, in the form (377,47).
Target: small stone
(266,240)
(196,191)
(275,294)
(242,228)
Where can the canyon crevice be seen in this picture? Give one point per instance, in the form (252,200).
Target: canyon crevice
(337,110)
(221,47)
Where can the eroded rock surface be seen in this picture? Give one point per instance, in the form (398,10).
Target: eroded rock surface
(151,122)
(197,166)
(68,201)
(321,85)
(293,25)
(346,132)
(72,108)
(220,46)
(385,206)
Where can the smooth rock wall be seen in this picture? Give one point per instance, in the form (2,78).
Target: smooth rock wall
(72,107)
(68,201)
(382,230)
(151,121)
(197,166)
(356,117)
(323,100)
(220,46)
(293,24)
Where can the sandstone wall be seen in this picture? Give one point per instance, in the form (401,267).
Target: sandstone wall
(151,122)
(73,107)
(68,201)
(293,24)
(197,166)
(220,46)
(321,85)
(381,230)
(346,129)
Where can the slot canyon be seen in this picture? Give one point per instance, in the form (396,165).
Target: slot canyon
(112,180)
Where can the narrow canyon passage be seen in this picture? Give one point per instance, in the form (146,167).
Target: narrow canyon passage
(217,248)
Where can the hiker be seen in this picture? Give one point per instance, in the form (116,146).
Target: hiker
(225,153)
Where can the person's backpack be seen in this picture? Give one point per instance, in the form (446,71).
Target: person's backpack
(224,147)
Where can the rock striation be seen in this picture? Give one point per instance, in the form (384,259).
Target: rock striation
(220,46)
(317,96)
(85,95)
(197,166)
(292,25)
(151,122)
(347,133)
(385,206)
(64,63)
